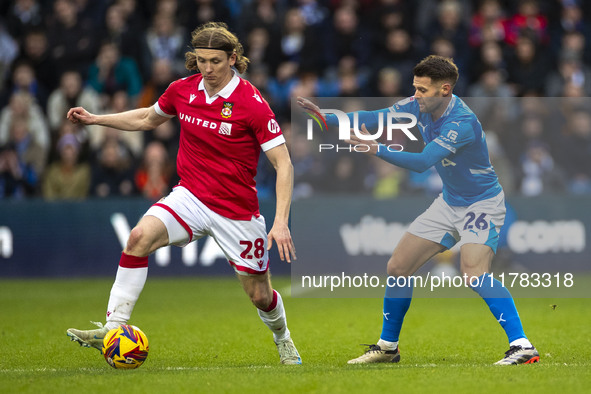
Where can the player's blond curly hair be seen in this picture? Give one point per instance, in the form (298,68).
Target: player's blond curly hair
(215,35)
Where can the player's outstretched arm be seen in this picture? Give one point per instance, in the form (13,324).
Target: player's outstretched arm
(279,158)
(418,162)
(355,140)
(136,119)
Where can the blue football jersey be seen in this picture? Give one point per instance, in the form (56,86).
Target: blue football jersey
(467,173)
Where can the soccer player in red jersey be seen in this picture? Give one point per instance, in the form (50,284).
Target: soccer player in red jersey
(225,123)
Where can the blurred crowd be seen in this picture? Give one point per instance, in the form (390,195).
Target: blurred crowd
(532,56)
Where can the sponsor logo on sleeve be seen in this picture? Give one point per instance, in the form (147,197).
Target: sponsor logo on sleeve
(452,135)
(273,126)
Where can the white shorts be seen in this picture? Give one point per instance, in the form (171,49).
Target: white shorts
(479,223)
(187,219)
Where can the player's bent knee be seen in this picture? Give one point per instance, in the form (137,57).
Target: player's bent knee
(135,237)
(261,300)
(396,269)
(473,270)
(137,243)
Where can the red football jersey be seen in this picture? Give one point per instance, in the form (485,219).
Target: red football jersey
(220,142)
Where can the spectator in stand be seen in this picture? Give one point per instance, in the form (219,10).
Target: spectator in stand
(528,20)
(92,13)
(259,76)
(112,72)
(348,83)
(443,47)
(425,12)
(135,14)
(493,97)
(257,45)
(449,25)
(571,71)
(571,90)
(22,16)
(533,130)
(488,24)
(153,178)
(388,180)
(129,42)
(491,84)
(501,163)
(161,76)
(349,79)
(35,51)
(24,80)
(346,175)
(22,161)
(347,38)
(112,171)
(8,52)
(308,166)
(22,105)
(539,173)
(389,83)
(166,40)
(202,11)
(575,151)
(315,13)
(398,52)
(168,8)
(81,136)
(571,20)
(310,81)
(70,94)
(575,42)
(262,13)
(281,85)
(384,18)
(167,134)
(133,142)
(298,43)
(528,66)
(259,50)
(73,43)
(67,179)
(489,55)
(389,16)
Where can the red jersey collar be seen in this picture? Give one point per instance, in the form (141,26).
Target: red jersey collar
(226,90)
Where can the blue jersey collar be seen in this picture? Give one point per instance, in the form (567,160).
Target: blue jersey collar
(450,106)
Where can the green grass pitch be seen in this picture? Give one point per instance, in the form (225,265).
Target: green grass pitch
(206,337)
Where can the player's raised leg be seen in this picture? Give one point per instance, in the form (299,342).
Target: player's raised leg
(475,262)
(270,308)
(146,237)
(408,256)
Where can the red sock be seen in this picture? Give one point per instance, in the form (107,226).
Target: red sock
(129,261)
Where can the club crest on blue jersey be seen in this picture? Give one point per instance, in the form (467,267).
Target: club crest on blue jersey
(227,109)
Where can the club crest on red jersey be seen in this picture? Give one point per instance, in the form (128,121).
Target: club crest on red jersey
(227,109)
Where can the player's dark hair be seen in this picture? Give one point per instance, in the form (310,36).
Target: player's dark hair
(215,35)
(438,68)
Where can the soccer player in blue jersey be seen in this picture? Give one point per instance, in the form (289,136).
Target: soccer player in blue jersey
(471,207)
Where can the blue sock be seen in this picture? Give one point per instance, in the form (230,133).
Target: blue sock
(396,304)
(501,304)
